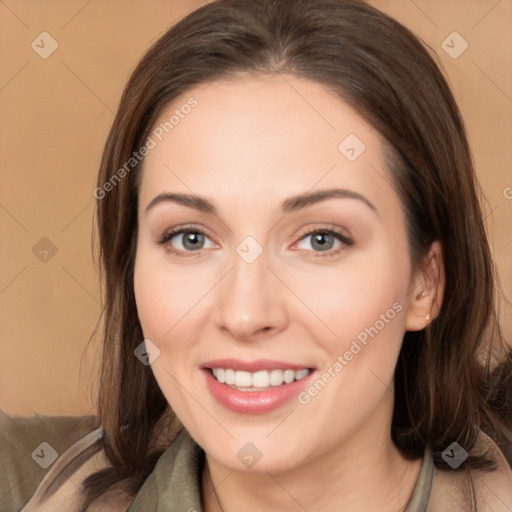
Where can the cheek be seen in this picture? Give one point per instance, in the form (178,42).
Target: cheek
(364,309)
(151,299)
(363,305)
(356,295)
(165,301)
(166,296)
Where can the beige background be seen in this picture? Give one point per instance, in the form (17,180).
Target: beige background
(55,114)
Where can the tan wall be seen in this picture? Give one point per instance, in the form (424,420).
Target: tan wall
(55,114)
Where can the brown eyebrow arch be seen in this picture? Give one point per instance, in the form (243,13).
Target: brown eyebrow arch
(190,200)
(289,205)
(303,200)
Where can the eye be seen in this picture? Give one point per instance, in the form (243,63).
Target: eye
(322,240)
(185,240)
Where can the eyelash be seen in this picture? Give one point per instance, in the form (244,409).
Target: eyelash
(319,230)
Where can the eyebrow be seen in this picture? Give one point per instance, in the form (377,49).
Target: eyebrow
(291,204)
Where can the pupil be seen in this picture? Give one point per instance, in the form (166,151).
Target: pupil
(322,244)
(193,239)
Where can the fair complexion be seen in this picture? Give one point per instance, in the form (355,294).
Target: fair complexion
(249,145)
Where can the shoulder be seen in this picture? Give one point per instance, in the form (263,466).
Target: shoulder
(454,491)
(29,447)
(176,478)
(44,461)
(493,489)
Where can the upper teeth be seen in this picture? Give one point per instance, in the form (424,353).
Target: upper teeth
(261,379)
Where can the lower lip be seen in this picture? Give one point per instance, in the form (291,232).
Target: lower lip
(254,402)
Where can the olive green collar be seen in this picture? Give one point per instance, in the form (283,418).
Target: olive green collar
(175,483)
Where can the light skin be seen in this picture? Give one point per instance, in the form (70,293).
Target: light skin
(250,144)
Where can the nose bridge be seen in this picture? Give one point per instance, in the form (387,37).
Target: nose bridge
(249,301)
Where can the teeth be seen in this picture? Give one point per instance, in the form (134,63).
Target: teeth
(301,374)
(230,376)
(243,379)
(276,377)
(259,380)
(220,374)
(289,376)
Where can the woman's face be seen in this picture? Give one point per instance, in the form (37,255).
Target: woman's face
(277,277)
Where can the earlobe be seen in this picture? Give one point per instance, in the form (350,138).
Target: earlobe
(427,290)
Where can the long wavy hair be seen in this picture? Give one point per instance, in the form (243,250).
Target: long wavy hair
(451,378)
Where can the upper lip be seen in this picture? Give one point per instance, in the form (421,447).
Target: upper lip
(253,366)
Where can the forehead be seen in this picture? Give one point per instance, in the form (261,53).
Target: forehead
(262,136)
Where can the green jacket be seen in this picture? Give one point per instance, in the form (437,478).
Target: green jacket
(43,460)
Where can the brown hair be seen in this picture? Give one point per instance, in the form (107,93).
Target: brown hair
(450,378)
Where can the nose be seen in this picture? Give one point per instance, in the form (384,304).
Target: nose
(250,302)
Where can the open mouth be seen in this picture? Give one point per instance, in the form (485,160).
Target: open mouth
(257,381)
(255,387)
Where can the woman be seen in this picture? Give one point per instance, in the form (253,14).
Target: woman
(299,290)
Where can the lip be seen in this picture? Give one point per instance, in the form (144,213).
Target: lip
(252,366)
(254,402)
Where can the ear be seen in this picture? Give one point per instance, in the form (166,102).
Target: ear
(427,290)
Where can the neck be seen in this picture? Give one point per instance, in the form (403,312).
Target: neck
(365,472)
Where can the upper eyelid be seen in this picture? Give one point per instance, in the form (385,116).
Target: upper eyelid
(344,239)
(171,233)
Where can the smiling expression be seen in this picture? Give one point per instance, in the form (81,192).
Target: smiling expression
(264,250)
